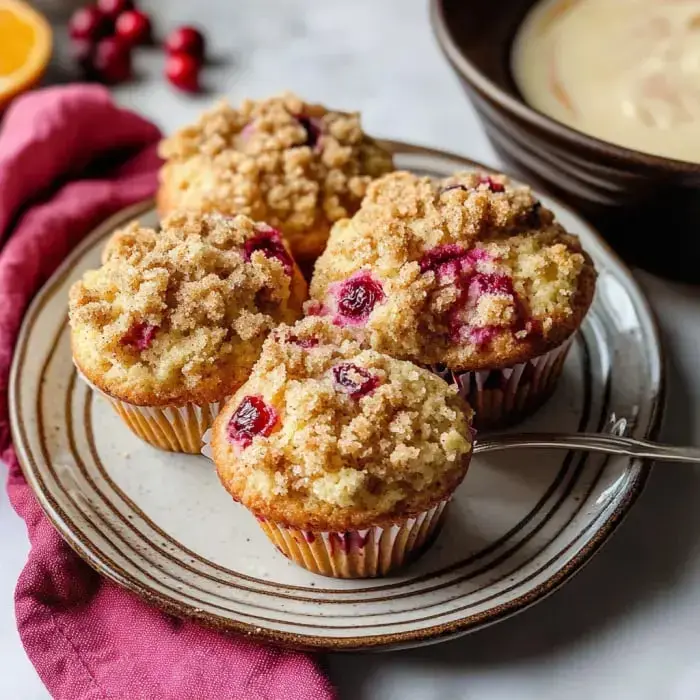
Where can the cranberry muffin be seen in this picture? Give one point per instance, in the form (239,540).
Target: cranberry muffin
(346,456)
(470,276)
(175,319)
(298,166)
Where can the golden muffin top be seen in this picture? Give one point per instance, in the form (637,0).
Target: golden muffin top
(470,271)
(180,314)
(296,165)
(328,436)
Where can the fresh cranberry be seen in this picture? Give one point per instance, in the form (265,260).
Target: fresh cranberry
(140,336)
(113,8)
(89,23)
(312,129)
(269,243)
(182,70)
(186,40)
(252,417)
(353,380)
(134,27)
(112,61)
(491,184)
(81,51)
(357,296)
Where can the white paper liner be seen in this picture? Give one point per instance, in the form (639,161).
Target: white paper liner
(367,553)
(504,396)
(172,428)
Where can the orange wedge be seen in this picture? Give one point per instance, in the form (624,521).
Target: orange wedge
(25,48)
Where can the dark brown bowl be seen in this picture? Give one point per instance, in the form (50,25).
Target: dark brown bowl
(647,206)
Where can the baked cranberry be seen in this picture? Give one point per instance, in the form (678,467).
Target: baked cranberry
(252,417)
(312,129)
(269,243)
(305,343)
(112,61)
(134,27)
(491,283)
(140,336)
(448,188)
(89,23)
(491,184)
(451,258)
(182,70)
(347,541)
(113,8)
(357,296)
(186,40)
(353,380)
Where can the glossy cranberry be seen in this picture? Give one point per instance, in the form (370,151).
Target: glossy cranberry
(89,24)
(81,51)
(353,380)
(269,243)
(112,61)
(182,71)
(134,27)
(492,184)
(312,129)
(357,296)
(186,40)
(140,336)
(252,417)
(113,8)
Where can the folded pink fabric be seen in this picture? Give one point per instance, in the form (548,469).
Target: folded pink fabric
(69,158)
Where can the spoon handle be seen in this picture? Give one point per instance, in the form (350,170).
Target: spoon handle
(592,442)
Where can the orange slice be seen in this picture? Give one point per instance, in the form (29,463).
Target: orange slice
(25,48)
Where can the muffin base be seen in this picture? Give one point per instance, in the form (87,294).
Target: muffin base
(506,396)
(367,553)
(170,428)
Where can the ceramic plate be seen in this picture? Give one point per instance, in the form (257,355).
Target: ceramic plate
(160,524)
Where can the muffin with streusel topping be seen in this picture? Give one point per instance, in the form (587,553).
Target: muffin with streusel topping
(175,319)
(469,275)
(346,456)
(298,166)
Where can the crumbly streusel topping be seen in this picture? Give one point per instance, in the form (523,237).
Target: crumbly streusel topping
(296,165)
(353,432)
(182,311)
(470,271)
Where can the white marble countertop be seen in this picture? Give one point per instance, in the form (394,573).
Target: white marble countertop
(628,626)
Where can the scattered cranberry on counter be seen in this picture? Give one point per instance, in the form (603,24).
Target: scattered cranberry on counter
(182,70)
(112,61)
(134,27)
(186,40)
(113,8)
(89,24)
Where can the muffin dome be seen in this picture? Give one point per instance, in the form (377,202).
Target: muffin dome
(328,436)
(297,166)
(471,272)
(179,315)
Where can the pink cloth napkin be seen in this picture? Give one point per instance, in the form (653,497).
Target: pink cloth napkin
(69,158)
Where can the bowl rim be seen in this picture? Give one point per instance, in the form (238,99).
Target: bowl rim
(478,80)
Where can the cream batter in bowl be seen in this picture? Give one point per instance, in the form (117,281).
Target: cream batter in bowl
(636,195)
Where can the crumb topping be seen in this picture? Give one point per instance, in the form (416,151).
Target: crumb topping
(473,271)
(358,435)
(180,314)
(296,165)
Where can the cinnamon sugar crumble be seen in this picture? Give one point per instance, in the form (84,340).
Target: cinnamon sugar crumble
(473,268)
(262,160)
(333,450)
(179,310)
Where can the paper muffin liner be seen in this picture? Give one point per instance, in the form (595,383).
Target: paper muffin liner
(171,428)
(367,553)
(505,396)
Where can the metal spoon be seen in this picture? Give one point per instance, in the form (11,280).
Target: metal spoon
(592,442)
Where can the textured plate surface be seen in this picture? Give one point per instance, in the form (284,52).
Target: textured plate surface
(161,525)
